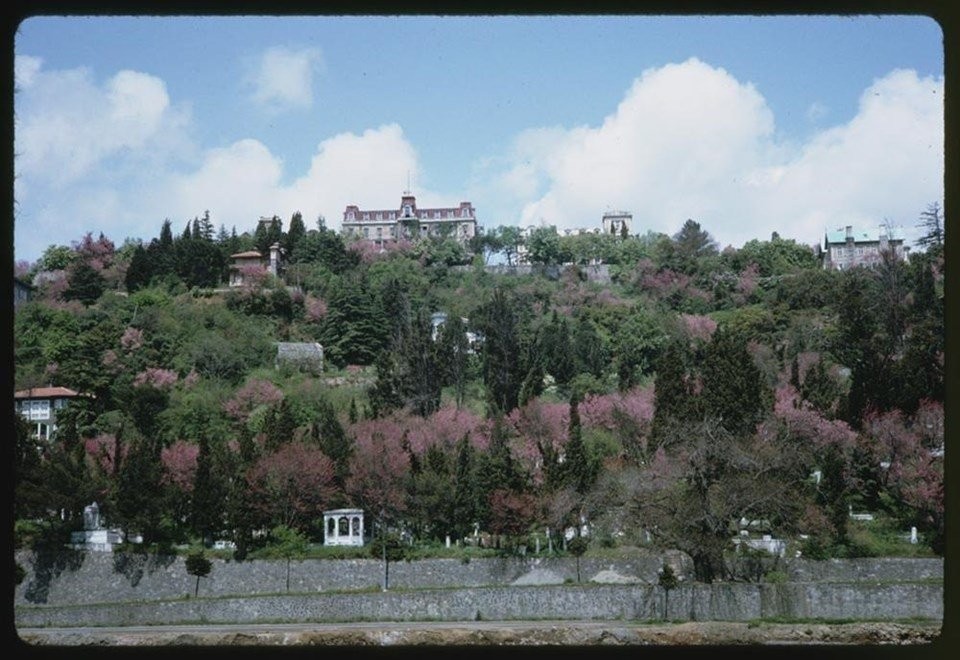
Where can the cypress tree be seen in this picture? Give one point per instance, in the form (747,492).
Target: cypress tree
(732,384)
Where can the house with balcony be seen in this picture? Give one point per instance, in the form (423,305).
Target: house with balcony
(40,405)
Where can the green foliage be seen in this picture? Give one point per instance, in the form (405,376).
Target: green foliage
(666,578)
(197,564)
(84,284)
(776,577)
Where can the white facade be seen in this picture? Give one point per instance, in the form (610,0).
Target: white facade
(343,527)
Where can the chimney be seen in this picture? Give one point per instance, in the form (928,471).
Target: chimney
(849,234)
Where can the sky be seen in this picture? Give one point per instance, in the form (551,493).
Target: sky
(748,125)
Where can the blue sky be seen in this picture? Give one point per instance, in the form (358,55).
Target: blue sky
(747,124)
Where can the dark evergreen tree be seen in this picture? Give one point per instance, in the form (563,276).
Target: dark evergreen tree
(353,330)
(673,396)
(279,425)
(295,234)
(333,440)
(453,356)
(465,489)
(579,470)
(555,349)
(166,235)
(732,385)
(84,283)
(140,270)
(267,234)
(502,367)
(208,494)
(589,349)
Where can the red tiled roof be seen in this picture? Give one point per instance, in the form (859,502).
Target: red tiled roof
(45,393)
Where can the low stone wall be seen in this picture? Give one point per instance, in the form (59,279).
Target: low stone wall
(75,578)
(866,569)
(699,602)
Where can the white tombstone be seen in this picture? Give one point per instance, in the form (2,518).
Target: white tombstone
(448,540)
(913,535)
(91,516)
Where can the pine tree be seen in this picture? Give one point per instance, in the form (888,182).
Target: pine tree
(732,384)
(578,469)
(84,283)
(589,349)
(672,396)
(502,368)
(294,235)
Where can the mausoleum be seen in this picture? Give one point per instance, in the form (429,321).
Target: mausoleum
(343,527)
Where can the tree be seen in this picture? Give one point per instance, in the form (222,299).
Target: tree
(667,580)
(543,246)
(503,370)
(292,485)
(932,223)
(579,471)
(510,240)
(732,385)
(589,348)
(84,283)
(453,350)
(56,257)
(379,470)
(673,395)
(327,431)
(689,246)
(576,547)
(705,478)
(268,233)
(140,270)
(197,564)
(287,543)
(555,350)
(295,233)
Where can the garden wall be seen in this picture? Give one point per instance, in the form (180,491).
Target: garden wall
(728,602)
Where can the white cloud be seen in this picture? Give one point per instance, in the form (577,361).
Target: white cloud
(67,125)
(690,141)
(282,78)
(241,182)
(25,69)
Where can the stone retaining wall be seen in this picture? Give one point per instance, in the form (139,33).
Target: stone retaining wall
(728,602)
(73,578)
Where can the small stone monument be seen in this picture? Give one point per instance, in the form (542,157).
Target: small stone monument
(94,536)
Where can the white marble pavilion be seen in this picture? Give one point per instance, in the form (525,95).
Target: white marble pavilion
(343,527)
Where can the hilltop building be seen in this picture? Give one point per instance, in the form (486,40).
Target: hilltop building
(846,248)
(408,221)
(617,222)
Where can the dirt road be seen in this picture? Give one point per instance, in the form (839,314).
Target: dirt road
(579,633)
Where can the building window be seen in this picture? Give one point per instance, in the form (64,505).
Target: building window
(366,216)
(350,215)
(34,410)
(366,232)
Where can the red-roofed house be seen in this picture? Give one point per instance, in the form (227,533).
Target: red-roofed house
(39,406)
(252,263)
